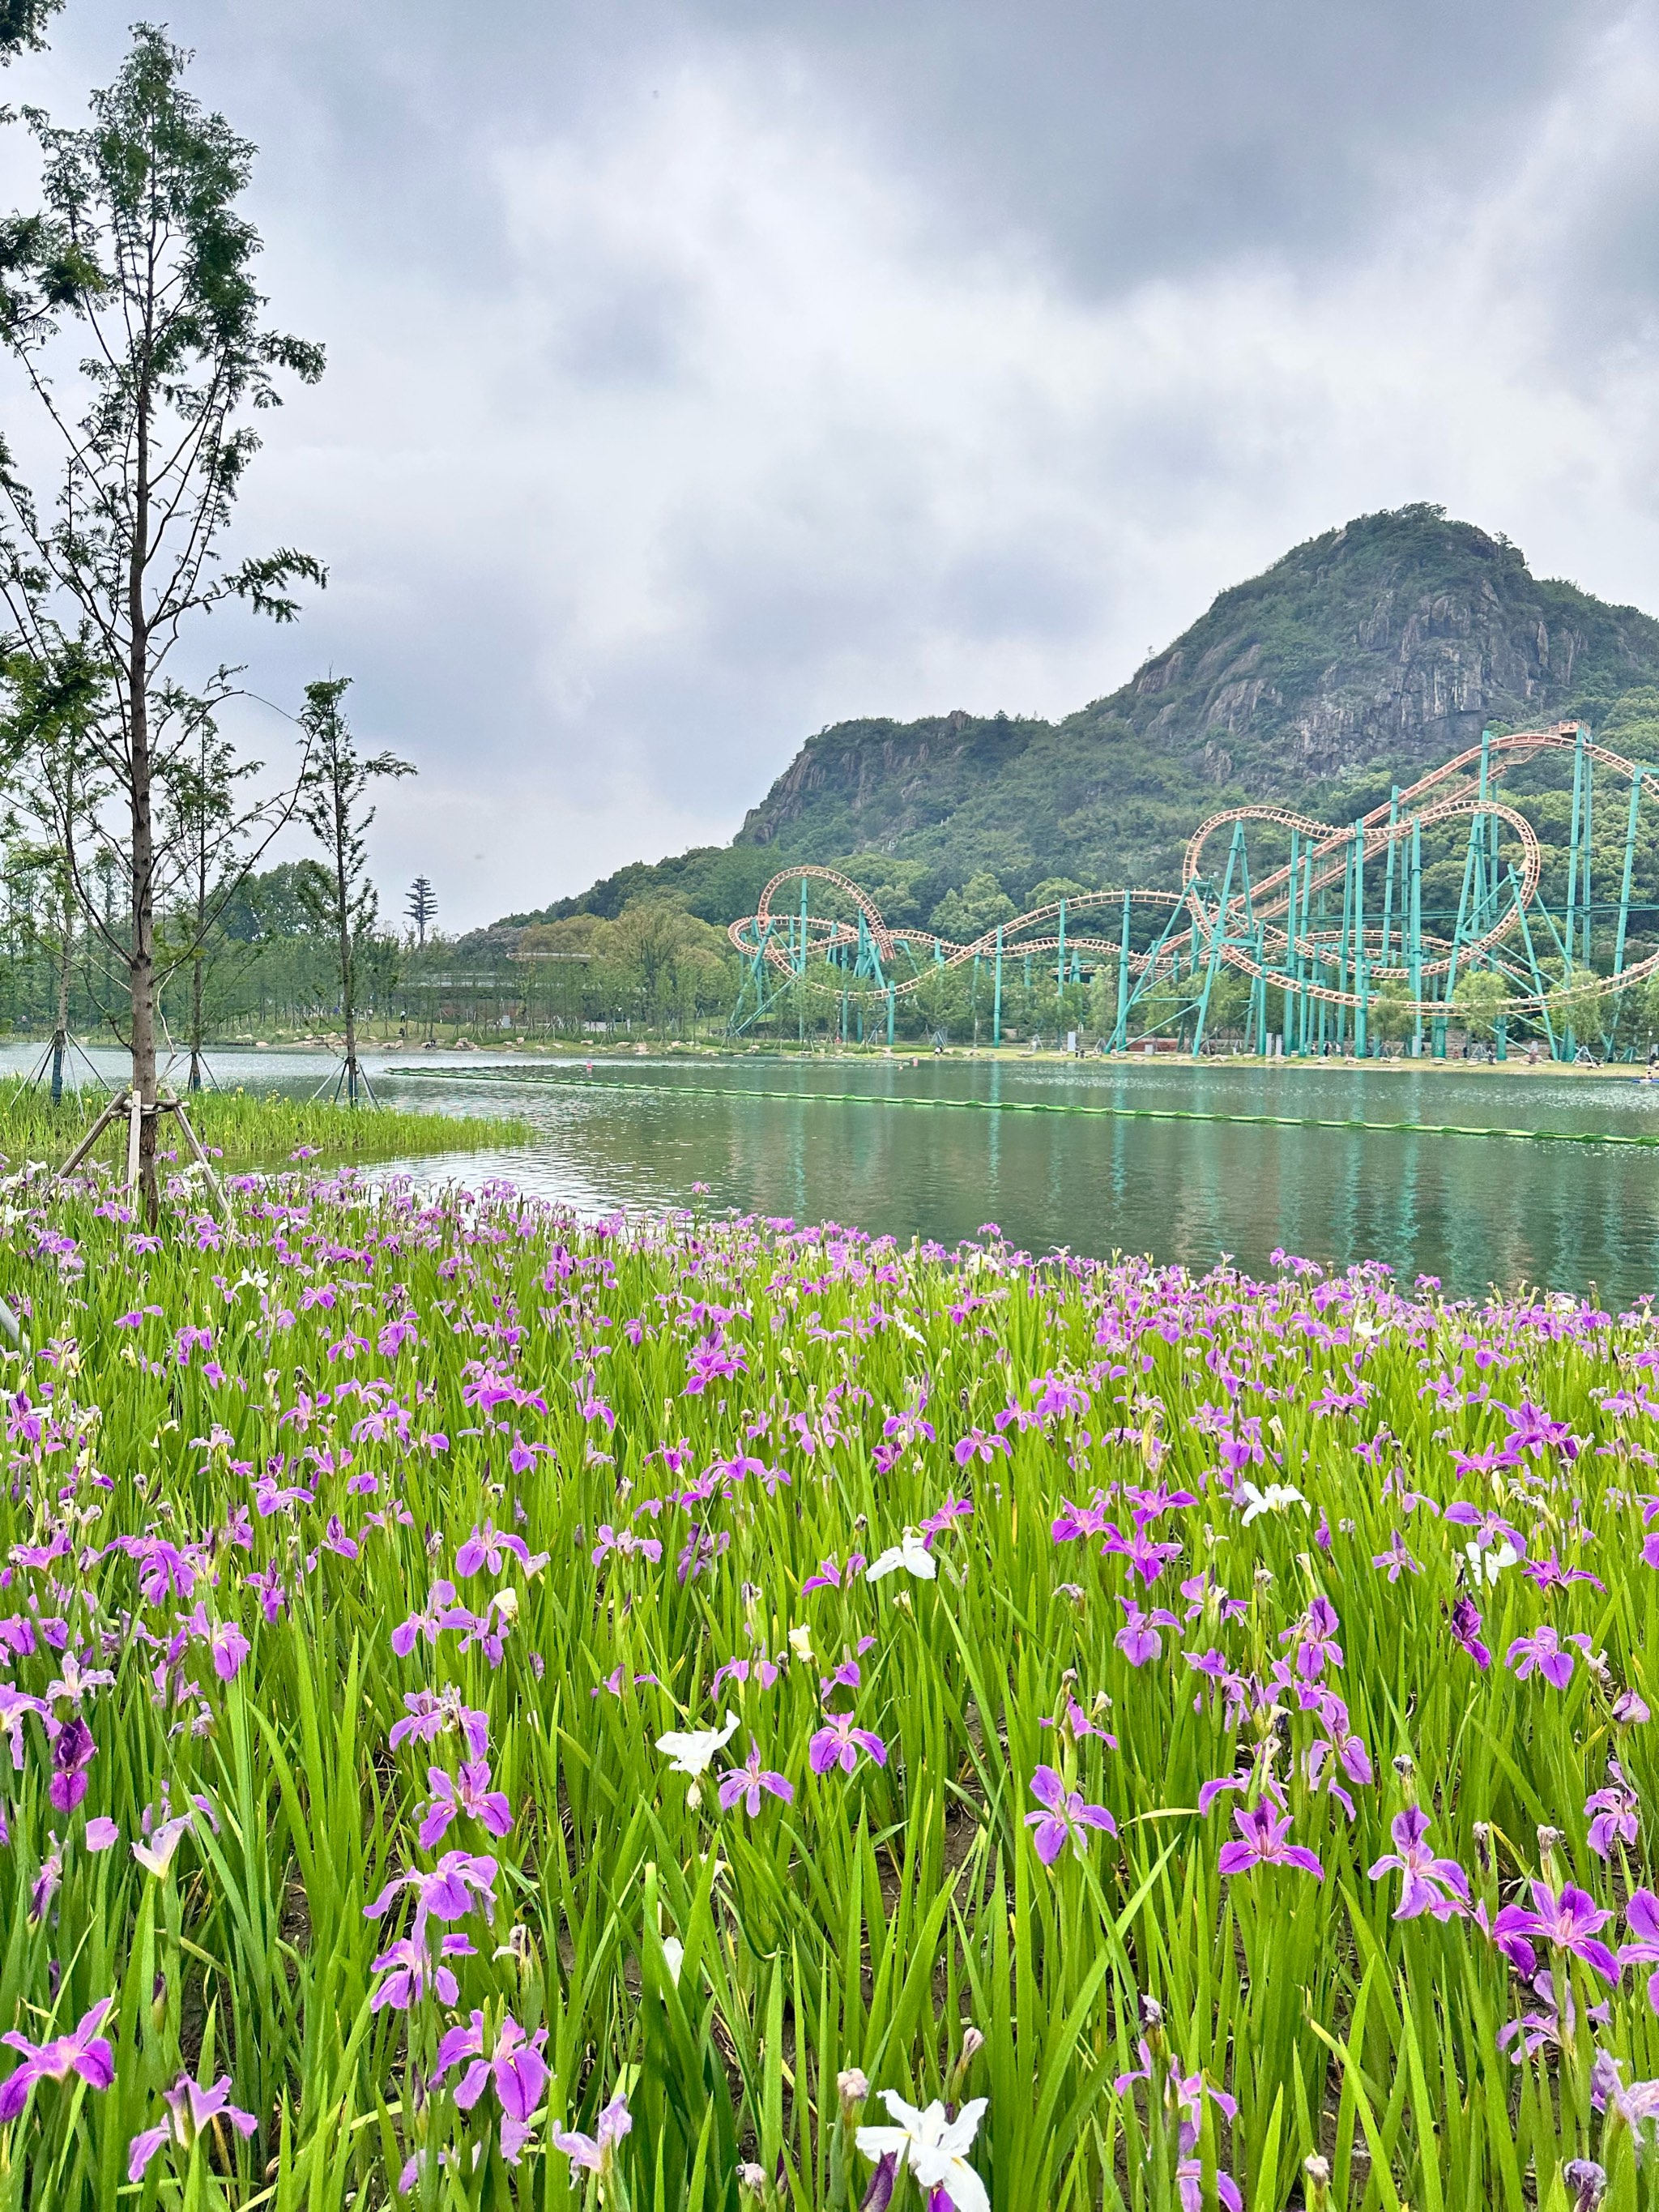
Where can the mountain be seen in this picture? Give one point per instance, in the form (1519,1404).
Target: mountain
(1361,658)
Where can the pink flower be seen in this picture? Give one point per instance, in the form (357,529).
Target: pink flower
(748,1781)
(83,2051)
(469,1794)
(190,2107)
(1543,1649)
(1432,1884)
(515,2067)
(1064,1815)
(838,1743)
(1265,1843)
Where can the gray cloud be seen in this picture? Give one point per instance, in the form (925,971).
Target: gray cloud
(700,373)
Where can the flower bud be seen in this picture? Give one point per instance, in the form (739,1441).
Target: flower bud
(1316,2171)
(852,2088)
(1588,2182)
(1483,1848)
(972,2044)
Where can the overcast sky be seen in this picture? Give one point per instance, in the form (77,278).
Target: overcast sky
(699,373)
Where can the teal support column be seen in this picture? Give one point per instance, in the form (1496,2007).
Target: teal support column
(1387,878)
(890,995)
(1359,983)
(1060,965)
(1121,1028)
(1216,939)
(1286,1032)
(996,1002)
(1304,965)
(1415,954)
(800,985)
(1624,897)
(1587,850)
(1570,934)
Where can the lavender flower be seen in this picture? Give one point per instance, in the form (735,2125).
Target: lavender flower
(1544,1650)
(515,2067)
(838,1743)
(189,2108)
(1064,1816)
(748,1781)
(597,2153)
(1432,1884)
(83,2051)
(1265,1842)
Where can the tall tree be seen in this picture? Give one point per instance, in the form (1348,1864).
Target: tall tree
(141,246)
(23,25)
(202,829)
(337,889)
(422,907)
(58,789)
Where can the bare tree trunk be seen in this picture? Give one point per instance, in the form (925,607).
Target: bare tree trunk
(141,958)
(60,1029)
(347,1008)
(196,1022)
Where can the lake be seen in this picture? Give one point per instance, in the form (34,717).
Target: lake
(764,1137)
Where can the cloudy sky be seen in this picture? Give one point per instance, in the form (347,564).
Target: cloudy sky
(705,371)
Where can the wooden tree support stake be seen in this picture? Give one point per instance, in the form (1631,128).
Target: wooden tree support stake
(92,1134)
(175,1107)
(129,1104)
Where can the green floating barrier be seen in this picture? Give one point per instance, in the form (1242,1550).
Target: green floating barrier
(1605,1137)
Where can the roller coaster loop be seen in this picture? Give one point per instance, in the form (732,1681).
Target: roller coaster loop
(1334,924)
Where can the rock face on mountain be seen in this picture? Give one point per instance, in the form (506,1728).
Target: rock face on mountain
(1363,656)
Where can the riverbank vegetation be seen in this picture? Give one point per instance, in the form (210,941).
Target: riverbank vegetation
(256,1129)
(522,1714)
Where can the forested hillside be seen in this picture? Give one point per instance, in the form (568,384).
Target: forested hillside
(1359,658)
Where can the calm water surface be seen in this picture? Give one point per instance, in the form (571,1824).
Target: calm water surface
(639,1133)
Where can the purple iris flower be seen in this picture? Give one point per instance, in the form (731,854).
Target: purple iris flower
(1615,1809)
(73,1751)
(1064,1815)
(429,1623)
(447,1891)
(1567,1921)
(487,1547)
(1265,1842)
(1315,1637)
(1642,1918)
(1186,2093)
(1432,1884)
(597,2153)
(838,1743)
(1466,1630)
(411,1969)
(1543,1649)
(190,2107)
(1139,1639)
(468,1795)
(748,1781)
(83,2051)
(1397,1560)
(515,2067)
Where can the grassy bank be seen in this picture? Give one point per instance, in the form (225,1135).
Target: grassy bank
(476,1682)
(255,1129)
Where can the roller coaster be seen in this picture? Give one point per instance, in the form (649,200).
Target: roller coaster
(1333,921)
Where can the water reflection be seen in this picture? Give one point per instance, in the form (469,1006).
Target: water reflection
(764,1137)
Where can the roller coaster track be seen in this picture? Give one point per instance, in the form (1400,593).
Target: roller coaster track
(1268,929)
